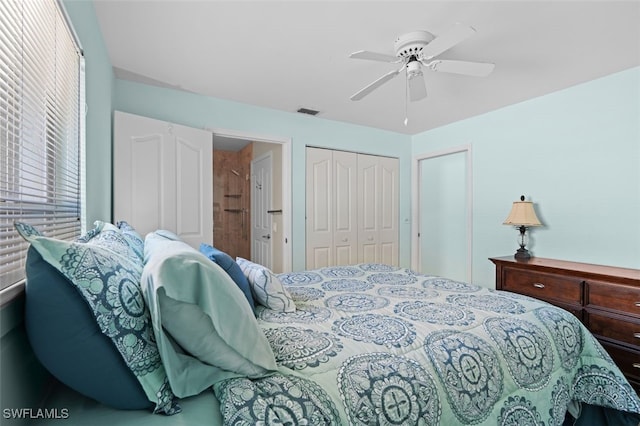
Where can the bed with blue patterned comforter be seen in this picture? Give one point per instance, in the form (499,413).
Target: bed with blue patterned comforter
(372,344)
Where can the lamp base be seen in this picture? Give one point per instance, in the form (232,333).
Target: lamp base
(522,254)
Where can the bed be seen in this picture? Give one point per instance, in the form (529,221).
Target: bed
(365,344)
(374,344)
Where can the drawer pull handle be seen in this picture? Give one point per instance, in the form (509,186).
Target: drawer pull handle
(638,304)
(538,285)
(636,365)
(636,335)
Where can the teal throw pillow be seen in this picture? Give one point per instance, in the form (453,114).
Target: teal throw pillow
(227,263)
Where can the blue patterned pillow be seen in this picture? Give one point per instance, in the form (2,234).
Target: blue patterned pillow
(266,287)
(113,238)
(135,240)
(98,225)
(67,340)
(225,261)
(109,283)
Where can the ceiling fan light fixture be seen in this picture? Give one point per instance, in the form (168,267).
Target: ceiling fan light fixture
(414,69)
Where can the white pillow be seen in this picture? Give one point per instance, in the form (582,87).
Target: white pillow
(197,308)
(194,331)
(266,287)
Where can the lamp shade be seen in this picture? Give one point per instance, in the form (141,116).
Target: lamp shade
(522,214)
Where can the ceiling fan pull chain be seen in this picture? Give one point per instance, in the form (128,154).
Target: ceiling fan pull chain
(406,102)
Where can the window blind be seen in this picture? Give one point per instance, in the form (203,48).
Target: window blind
(41,125)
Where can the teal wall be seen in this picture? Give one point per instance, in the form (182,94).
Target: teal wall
(575,153)
(303,130)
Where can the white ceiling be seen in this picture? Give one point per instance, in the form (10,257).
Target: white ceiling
(290,54)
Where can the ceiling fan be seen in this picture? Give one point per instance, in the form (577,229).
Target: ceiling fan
(417,49)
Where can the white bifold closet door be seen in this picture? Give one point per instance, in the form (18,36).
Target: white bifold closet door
(331,211)
(377,209)
(163,177)
(351,208)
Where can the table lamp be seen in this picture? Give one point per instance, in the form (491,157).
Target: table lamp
(522,216)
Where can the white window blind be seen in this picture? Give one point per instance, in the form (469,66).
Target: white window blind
(41,126)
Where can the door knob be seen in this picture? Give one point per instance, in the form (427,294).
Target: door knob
(267,237)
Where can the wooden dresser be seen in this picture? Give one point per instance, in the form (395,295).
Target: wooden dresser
(605,298)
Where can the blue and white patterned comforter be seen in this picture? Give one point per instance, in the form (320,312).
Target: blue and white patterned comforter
(373,344)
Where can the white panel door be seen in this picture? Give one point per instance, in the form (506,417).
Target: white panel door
(194,185)
(388,217)
(345,208)
(319,208)
(261,181)
(140,182)
(378,197)
(444,227)
(163,177)
(368,209)
(331,208)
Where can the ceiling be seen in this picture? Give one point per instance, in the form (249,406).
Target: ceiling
(286,55)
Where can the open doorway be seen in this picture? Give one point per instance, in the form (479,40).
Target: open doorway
(442,213)
(231,198)
(233,208)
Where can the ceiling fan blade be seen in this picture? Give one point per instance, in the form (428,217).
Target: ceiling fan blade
(373,56)
(417,87)
(476,69)
(447,40)
(373,86)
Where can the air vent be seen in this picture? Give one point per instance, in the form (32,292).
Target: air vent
(308,111)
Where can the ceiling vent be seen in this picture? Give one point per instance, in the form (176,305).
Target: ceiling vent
(308,111)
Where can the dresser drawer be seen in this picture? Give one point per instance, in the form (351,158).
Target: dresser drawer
(628,361)
(575,310)
(614,297)
(615,327)
(550,287)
